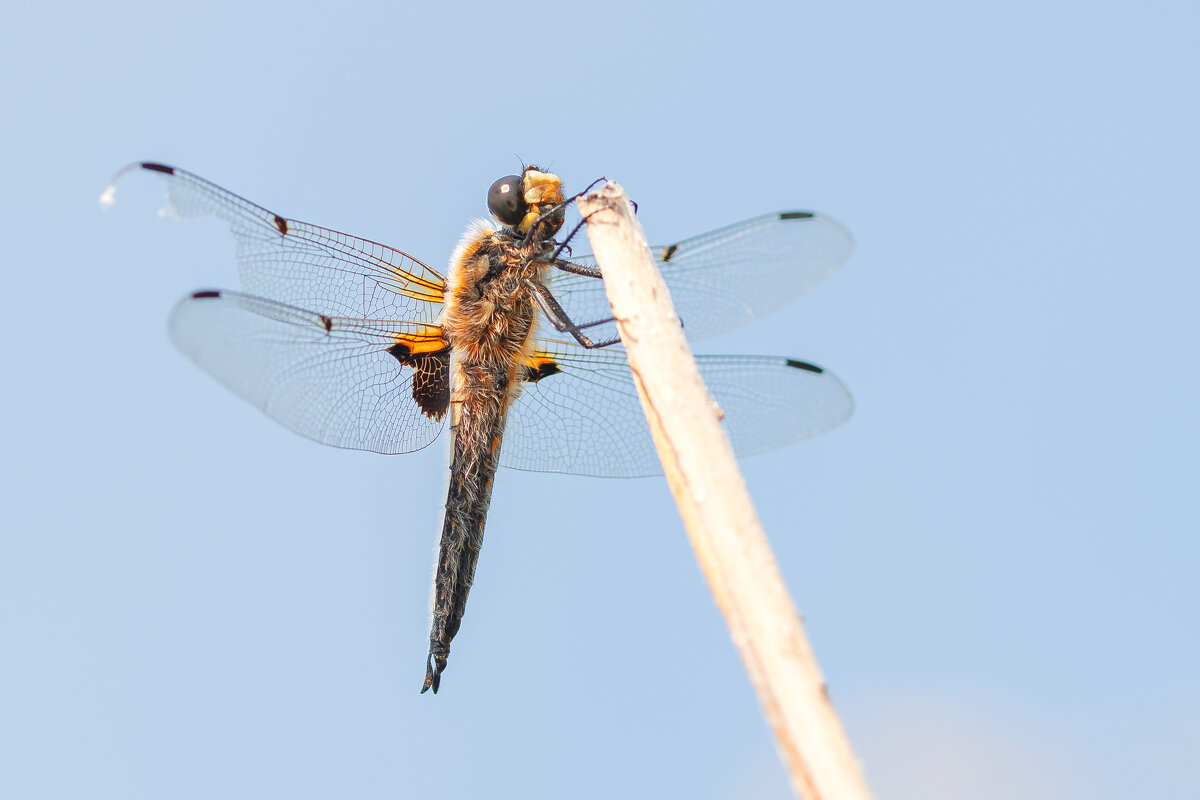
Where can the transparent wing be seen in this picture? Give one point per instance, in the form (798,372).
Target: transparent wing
(305,265)
(332,379)
(583,416)
(724,279)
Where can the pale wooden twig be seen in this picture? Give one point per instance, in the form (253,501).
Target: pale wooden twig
(720,519)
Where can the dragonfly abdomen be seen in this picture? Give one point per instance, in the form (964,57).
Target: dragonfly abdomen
(481,401)
(489,321)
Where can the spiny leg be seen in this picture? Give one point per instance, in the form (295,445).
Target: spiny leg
(562,322)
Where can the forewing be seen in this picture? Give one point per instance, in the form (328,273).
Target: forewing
(339,381)
(724,279)
(305,265)
(583,416)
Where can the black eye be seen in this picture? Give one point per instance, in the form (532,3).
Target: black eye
(506,200)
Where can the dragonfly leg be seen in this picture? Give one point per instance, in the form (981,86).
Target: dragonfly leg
(567,266)
(564,245)
(578,269)
(559,319)
(597,322)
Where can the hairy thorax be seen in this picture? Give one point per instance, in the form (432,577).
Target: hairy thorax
(490,315)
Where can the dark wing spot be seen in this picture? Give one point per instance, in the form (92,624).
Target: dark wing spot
(543,369)
(431,378)
(669,253)
(327,322)
(281,223)
(206,294)
(804,365)
(153,167)
(796,215)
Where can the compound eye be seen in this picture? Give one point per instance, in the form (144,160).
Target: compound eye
(506,200)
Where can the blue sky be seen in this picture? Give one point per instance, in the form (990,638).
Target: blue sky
(995,557)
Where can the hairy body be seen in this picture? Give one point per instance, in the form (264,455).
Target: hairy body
(489,320)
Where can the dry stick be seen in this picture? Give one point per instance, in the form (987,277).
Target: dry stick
(721,522)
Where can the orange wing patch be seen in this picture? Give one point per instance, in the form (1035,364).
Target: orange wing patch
(540,365)
(417,286)
(421,339)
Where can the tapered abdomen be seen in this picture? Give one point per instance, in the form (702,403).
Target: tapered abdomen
(489,323)
(480,405)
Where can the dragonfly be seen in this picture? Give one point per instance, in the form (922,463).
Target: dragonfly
(359,345)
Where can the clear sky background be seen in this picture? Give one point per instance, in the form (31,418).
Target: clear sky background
(996,556)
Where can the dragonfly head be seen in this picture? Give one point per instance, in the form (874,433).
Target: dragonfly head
(518,201)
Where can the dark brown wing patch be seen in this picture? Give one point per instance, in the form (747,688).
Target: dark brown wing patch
(431,373)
